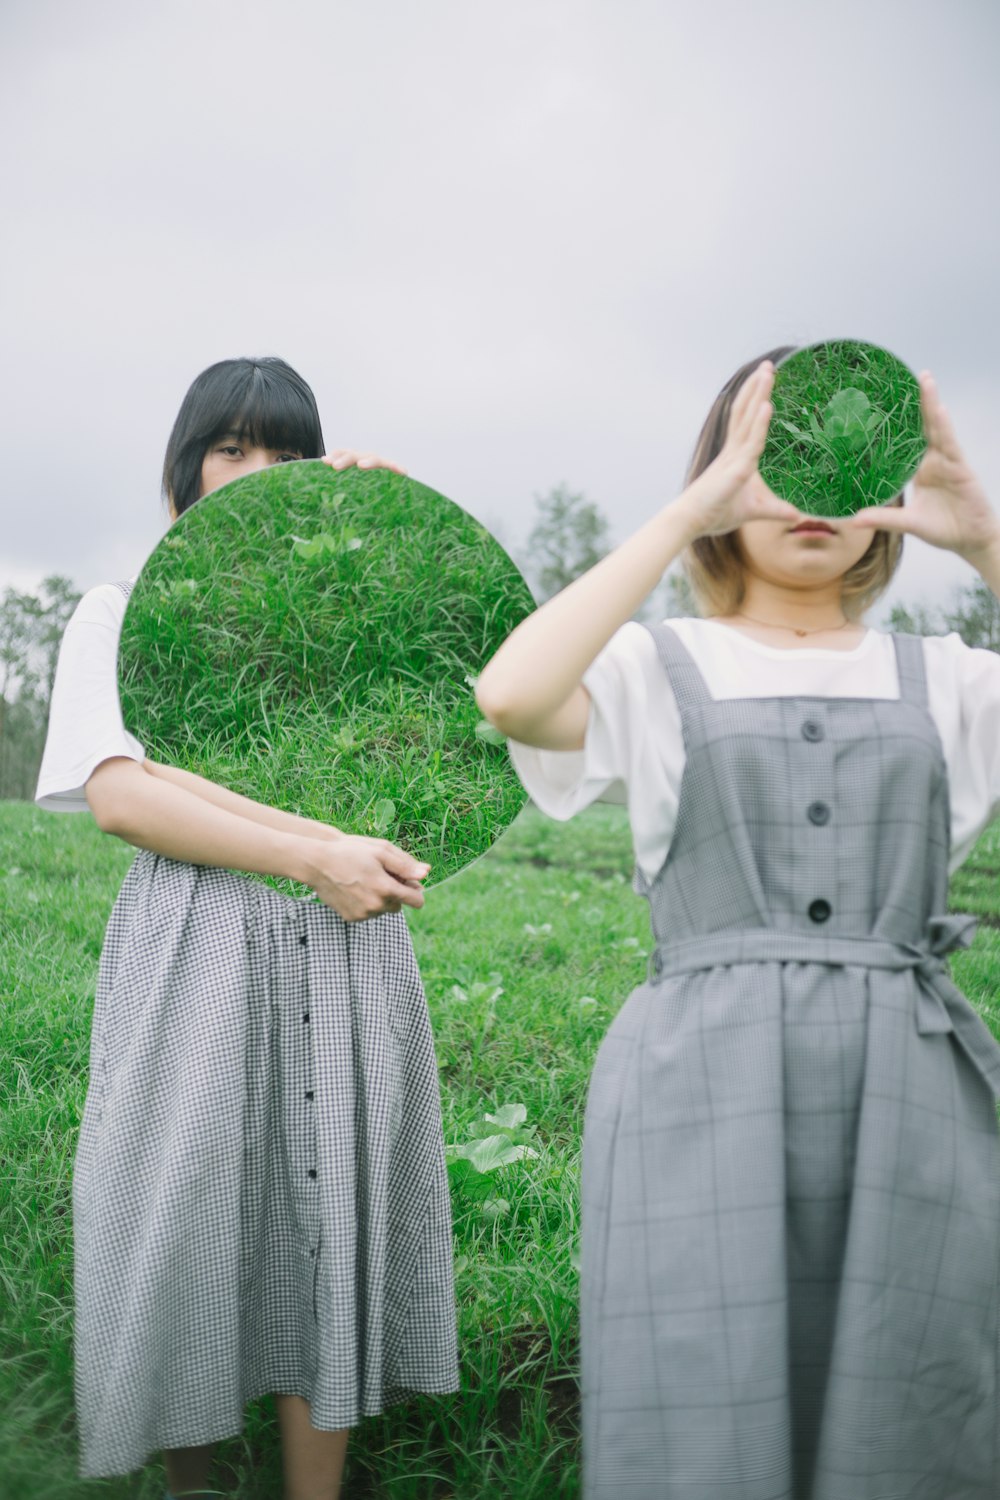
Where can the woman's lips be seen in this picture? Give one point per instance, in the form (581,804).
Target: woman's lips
(814,528)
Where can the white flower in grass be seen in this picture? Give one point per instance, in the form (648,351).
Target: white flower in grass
(537,931)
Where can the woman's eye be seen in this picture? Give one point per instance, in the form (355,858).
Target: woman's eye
(231,449)
(289,458)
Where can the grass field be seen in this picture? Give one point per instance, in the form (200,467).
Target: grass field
(525,958)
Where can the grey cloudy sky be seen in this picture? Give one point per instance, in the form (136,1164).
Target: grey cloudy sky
(508,246)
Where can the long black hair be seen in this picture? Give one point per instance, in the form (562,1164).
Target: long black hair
(263,400)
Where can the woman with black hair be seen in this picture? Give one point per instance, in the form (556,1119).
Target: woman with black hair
(260,1201)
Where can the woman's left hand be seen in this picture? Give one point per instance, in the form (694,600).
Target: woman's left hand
(346,458)
(948,506)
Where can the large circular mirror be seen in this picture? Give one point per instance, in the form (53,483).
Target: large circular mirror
(311,639)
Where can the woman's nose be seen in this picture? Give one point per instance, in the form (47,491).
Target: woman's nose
(257,458)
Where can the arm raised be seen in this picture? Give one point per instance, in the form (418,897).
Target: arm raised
(532,689)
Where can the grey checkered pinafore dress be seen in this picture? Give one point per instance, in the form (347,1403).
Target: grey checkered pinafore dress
(791,1165)
(260,1200)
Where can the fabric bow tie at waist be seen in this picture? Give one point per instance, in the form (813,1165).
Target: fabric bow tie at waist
(941,1006)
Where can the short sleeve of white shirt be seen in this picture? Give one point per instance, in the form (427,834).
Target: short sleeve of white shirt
(634,746)
(85,717)
(964,692)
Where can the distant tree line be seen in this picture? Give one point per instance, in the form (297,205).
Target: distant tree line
(570,535)
(975,617)
(31,628)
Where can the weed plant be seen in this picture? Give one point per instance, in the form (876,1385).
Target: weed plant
(526,959)
(847,430)
(311,639)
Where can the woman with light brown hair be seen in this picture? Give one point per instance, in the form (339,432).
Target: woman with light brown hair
(791,1163)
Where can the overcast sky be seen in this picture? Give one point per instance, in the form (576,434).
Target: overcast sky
(508,246)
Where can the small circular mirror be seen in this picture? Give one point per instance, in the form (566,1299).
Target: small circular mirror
(846,431)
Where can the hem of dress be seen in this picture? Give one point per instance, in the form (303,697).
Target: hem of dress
(393,1396)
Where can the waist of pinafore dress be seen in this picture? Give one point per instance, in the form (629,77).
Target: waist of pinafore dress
(941,1006)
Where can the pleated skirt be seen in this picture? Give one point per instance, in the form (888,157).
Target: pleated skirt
(260,1200)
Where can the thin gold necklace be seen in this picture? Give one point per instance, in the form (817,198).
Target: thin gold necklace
(818,631)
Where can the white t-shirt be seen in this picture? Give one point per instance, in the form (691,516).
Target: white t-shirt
(85,716)
(634,749)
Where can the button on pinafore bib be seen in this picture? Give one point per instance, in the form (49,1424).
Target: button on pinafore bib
(791,1162)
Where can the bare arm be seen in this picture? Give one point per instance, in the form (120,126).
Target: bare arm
(162,813)
(532,688)
(246,807)
(357,877)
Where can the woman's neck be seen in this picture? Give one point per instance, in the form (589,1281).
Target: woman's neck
(794,621)
(791,610)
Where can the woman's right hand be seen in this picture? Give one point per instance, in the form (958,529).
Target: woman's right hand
(721,499)
(362,877)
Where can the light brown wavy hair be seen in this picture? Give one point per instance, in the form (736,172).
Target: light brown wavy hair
(713,565)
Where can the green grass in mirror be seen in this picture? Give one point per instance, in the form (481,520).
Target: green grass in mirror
(847,430)
(311,639)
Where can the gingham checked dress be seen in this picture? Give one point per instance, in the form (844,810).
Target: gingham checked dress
(791,1165)
(260,1200)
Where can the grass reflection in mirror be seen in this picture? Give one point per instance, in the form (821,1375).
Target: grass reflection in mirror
(846,431)
(311,639)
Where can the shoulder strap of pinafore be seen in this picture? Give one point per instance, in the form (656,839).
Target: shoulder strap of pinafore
(690,687)
(911,667)
(126,587)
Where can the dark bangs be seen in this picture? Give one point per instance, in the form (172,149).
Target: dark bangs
(263,400)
